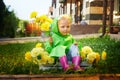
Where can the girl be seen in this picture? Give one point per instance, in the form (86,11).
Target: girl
(62,45)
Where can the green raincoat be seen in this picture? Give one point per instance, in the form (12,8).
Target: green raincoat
(61,44)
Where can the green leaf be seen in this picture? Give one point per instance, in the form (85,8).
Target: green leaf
(39,57)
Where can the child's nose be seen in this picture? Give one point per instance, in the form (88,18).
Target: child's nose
(66,28)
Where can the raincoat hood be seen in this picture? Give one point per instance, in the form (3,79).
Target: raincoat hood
(55,26)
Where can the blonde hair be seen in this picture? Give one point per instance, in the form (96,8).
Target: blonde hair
(65,16)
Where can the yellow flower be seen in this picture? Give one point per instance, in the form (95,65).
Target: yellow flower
(43,18)
(44,59)
(37,19)
(36,51)
(28,56)
(45,26)
(83,56)
(49,20)
(104,54)
(91,57)
(50,60)
(36,60)
(97,57)
(85,50)
(33,14)
(38,45)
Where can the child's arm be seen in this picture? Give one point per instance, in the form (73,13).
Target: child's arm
(51,40)
(79,44)
(74,41)
(48,46)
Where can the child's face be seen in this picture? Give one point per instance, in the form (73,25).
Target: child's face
(64,26)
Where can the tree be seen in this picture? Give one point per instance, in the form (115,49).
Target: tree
(8,21)
(2,14)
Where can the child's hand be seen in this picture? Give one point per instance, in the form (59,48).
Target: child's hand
(76,43)
(50,40)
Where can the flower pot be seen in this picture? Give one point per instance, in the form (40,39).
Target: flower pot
(115,30)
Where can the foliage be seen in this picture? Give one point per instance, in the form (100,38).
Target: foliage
(107,29)
(38,25)
(90,56)
(8,20)
(112,48)
(20,32)
(13,62)
(39,56)
(43,21)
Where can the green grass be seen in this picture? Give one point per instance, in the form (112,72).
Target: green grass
(12,57)
(112,47)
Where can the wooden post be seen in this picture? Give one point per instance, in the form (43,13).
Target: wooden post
(63,8)
(70,7)
(104,17)
(111,15)
(76,11)
(81,4)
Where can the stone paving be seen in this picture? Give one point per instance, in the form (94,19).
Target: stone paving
(115,36)
(30,39)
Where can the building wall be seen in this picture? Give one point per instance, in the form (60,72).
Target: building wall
(116,18)
(59,10)
(73,11)
(84,9)
(94,12)
(56,9)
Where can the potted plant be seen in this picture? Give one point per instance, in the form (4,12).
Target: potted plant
(115,28)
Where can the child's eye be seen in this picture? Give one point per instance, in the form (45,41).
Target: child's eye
(62,26)
(68,26)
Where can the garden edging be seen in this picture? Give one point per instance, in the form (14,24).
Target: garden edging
(62,77)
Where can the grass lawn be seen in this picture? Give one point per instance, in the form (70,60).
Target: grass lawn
(12,57)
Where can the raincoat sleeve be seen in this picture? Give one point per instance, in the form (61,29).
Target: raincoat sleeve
(48,47)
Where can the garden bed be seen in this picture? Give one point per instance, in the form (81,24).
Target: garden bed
(13,58)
